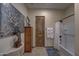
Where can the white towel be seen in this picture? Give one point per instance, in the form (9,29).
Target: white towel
(50,32)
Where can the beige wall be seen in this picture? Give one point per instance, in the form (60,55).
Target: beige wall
(77,28)
(51,16)
(69,11)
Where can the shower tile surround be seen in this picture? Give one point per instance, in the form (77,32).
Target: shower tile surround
(11,20)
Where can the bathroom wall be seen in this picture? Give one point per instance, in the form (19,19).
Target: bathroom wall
(69,11)
(51,16)
(77,29)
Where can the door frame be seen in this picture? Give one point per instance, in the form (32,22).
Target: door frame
(44,30)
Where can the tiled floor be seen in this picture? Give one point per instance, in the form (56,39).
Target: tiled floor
(38,51)
(41,51)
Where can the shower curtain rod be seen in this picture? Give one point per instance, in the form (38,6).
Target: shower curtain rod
(67,17)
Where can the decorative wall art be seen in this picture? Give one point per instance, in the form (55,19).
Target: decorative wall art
(11,20)
(28,21)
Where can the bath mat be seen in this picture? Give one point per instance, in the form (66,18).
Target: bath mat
(52,52)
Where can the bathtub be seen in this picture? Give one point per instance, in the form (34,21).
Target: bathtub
(6,47)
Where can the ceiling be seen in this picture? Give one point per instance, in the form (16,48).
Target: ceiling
(60,6)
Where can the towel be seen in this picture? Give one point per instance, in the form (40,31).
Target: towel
(50,32)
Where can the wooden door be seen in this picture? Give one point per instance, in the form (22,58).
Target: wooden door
(40,27)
